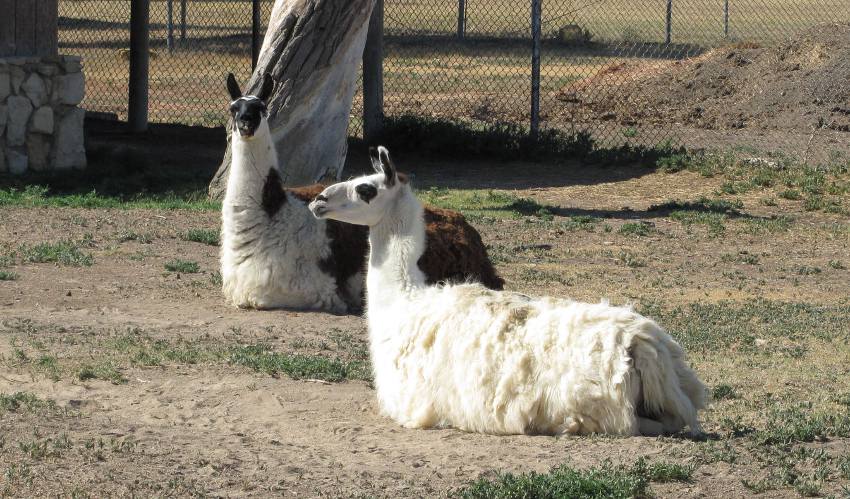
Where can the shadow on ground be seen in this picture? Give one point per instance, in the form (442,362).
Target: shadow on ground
(181,160)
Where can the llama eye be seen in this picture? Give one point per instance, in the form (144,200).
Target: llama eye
(366,192)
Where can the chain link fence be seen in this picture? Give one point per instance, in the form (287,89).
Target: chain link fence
(698,72)
(193,45)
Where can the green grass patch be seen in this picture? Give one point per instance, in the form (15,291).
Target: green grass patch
(767,225)
(716,326)
(482,204)
(204,236)
(580,222)
(724,392)
(703,205)
(713,221)
(129,235)
(24,401)
(105,371)
(630,259)
(38,196)
(7,275)
(607,481)
(352,361)
(799,424)
(65,252)
(639,229)
(262,359)
(183,266)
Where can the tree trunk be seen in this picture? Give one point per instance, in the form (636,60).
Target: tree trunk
(312,49)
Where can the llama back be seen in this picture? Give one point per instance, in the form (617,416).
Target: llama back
(455,251)
(514,364)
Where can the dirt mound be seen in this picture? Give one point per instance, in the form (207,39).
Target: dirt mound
(801,85)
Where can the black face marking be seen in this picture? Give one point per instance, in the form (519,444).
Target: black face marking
(366,192)
(274,197)
(247,113)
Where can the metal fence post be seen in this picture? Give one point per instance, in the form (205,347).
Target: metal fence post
(182,20)
(373,75)
(536,8)
(669,24)
(726,18)
(169,41)
(461,19)
(137,109)
(256,42)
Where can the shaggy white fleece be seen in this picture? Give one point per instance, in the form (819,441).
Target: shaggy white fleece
(495,362)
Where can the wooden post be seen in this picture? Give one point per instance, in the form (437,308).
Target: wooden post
(669,23)
(373,76)
(169,22)
(726,18)
(25,22)
(182,20)
(461,19)
(256,40)
(137,112)
(47,27)
(28,27)
(536,29)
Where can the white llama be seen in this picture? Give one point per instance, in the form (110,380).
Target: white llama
(479,360)
(274,253)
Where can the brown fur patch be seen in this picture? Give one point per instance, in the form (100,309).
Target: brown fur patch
(273,193)
(454,251)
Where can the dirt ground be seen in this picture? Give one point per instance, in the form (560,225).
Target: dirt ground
(212,428)
(796,88)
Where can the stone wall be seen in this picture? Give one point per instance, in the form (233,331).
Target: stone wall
(41,127)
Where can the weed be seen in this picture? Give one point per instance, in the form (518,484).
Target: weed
(105,371)
(723,392)
(799,424)
(769,225)
(64,253)
(260,358)
(807,270)
(837,265)
(6,275)
(37,196)
(204,236)
(129,235)
(24,401)
(182,266)
(630,259)
(792,194)
(635,229)
(714,221)
(606,480)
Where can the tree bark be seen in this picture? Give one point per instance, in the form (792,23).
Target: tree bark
(312,49)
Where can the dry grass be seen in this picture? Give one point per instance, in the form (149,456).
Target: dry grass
(487,83)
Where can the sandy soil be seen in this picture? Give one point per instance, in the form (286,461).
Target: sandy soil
(221,430)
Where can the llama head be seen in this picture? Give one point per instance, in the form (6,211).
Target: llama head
(248,110)
(363,200)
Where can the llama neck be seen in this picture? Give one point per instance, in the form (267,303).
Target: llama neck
(397,242)
(252,159)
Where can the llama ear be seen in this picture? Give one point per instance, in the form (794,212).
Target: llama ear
(387,166)
(233,87)
(266,89)
(375,158)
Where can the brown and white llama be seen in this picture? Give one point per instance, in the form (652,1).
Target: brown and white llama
(275,254)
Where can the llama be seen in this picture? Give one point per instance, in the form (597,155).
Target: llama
(275,254)
(495,362)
